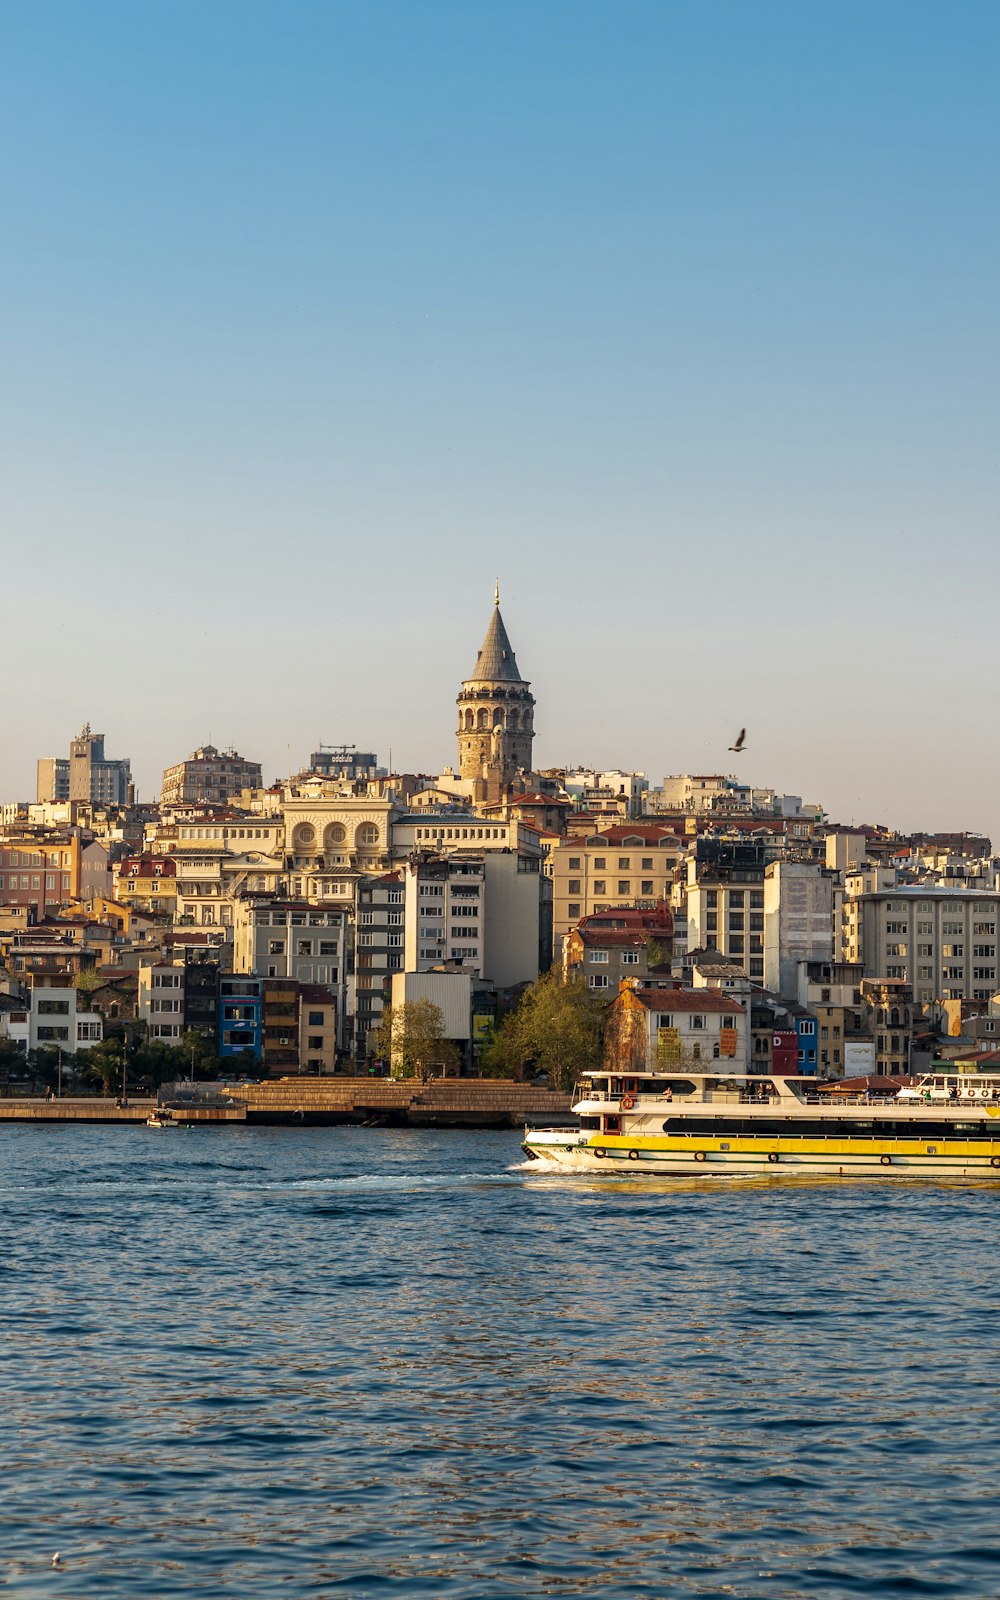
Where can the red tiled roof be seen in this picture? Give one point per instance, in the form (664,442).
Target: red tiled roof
(688,1000)
(600,938)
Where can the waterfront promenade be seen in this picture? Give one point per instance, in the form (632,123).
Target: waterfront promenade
(443,1102)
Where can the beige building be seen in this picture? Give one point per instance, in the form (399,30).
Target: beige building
(631,864)
(210,777)
(940,942)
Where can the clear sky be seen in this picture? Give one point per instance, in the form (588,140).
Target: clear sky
(681,318)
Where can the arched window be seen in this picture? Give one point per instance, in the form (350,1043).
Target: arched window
(367,835)
(304,836)
(484,719)
(335,834)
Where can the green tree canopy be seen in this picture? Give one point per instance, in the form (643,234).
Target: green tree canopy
(411,1038)
(556,1028)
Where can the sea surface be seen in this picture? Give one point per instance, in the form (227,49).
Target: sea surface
(354,1362)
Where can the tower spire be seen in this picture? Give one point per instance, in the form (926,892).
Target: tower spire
(496,592)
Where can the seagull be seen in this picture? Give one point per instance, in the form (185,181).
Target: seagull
(57,1560)
(738,746)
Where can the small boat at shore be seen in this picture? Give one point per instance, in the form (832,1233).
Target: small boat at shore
(692,1124)
(160,1119)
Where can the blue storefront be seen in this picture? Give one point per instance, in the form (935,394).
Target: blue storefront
(240,1016)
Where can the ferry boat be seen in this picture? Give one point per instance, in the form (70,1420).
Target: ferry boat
(689,1124)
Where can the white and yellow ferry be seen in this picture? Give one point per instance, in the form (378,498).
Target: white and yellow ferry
(687,1124)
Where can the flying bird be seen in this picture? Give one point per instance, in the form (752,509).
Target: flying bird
(738,746)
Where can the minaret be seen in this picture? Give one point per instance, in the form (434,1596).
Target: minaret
(495,709)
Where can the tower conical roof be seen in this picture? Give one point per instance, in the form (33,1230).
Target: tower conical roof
(495,662)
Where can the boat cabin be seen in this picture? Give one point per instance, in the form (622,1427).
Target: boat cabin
(951,1084)
(602,1100)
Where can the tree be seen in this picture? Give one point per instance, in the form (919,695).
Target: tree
(411,1038)
(556,1028)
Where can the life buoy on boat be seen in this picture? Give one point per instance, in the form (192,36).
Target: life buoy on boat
(699,1155)
(600,1152)
(633,1155)
(628,1101)
(773,1156)
(886,1161)
(995,1161)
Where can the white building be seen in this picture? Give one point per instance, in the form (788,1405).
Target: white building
(798,921)
(50,1020)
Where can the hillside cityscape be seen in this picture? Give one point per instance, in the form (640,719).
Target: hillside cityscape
(270,928)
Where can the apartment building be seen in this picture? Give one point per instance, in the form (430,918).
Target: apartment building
(798,921)
(613,945)
(41,872)
(628,865)
(660,1029)
(53,1019)
(939,941)
(210,777)
(725,902)
(380,940)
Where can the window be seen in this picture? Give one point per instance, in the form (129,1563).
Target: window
(711,897)
(314,1042)
(646,886)
(573,910)
(984,972)
(807,1026)
(630,958)
(712,921)
(736,944)
(697,1022)
(624,864)
(757,921)
(573,886)
(276,947)
(895,949)
(305,947)
(600,887)
(315,1019)
(624,886)
(49,1032)
(598,957)
(600,863)
(53,1008)
(757,899)
(598,980)
(574,863)
(736,921)
(736,897)
(925,949)
(328,947)
(951,950)
(896,927)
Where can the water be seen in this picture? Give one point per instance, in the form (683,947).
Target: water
(336,1362)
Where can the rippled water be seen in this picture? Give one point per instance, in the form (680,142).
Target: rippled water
(309,1362)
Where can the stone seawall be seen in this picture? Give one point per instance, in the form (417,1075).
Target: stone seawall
(444,1102)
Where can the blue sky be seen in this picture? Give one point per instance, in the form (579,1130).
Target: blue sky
(681,318)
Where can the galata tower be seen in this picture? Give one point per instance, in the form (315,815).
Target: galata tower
(495,710)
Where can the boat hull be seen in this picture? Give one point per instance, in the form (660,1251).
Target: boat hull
(702,1155)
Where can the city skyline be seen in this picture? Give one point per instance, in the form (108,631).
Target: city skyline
(683,321)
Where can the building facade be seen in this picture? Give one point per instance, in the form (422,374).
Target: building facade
(210,777)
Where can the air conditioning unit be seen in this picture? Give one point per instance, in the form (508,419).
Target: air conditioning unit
(284,1041)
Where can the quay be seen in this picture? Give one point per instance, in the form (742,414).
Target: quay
(440,1103)
(94,1109)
